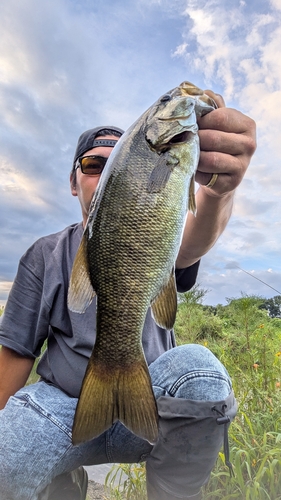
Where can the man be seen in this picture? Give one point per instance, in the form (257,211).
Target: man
(193,389)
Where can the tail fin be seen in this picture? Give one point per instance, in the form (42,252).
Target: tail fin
(108,395)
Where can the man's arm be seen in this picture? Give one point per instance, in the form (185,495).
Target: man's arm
(14,372)
(227,143)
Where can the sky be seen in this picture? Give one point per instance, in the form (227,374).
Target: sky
(67,66)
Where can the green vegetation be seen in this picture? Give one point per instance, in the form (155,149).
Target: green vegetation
(126,481)
(246,336)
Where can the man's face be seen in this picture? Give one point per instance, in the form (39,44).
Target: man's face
(86,185)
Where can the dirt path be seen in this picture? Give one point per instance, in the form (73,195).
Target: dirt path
(95,491)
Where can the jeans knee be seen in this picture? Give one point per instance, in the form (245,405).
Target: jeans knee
(190,371)
(197,356)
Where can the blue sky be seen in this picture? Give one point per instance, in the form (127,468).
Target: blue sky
(66,66)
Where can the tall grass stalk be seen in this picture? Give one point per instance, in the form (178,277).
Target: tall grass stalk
(126,481)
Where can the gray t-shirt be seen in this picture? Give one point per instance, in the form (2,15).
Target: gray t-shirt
(37,310)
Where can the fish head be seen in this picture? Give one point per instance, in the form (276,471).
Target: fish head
(171,131)
(173,118)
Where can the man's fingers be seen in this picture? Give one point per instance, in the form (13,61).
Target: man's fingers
(223,142)
(219,100)
(227,120)
(226,142)
(230,170)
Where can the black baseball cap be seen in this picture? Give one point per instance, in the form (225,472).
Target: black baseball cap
(87,140)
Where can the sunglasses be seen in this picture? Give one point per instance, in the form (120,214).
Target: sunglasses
(91,165)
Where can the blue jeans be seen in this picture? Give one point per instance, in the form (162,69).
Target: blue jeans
(35,430)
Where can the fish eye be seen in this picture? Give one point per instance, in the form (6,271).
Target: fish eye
(165,98)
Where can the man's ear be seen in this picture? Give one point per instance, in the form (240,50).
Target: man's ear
(73,184)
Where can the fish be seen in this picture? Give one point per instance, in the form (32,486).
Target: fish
(127,259)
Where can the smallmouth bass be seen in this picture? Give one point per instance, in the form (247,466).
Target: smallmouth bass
(127,257)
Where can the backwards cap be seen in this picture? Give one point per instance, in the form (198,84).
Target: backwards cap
(87,141)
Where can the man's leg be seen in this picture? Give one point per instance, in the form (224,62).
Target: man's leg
(35,431)
(36,453)
(193,392)
(68,486)
(35,437)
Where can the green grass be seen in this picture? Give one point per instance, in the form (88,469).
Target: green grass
(126,481)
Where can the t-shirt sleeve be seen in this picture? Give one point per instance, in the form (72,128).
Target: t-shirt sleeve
(186,278)
(24,325)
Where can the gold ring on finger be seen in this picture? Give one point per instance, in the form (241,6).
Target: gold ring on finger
(212,181)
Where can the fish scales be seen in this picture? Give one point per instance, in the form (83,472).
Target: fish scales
(127,257)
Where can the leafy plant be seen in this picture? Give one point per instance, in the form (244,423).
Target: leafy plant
(126,481)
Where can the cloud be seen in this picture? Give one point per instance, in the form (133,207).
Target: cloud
(71,65)
(230,281)
(276,4)
(64,69)
(234,46)
(247,206)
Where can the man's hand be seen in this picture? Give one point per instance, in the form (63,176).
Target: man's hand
(14,372)
(227,143)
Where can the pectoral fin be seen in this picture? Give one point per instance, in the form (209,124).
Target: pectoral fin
(160,174)
(80,291)
(164,306)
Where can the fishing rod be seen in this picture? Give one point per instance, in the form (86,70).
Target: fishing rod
(258,279)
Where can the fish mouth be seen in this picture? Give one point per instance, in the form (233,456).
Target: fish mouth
(180,138)
(176,140)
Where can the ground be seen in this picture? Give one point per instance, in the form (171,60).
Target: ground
(95,491)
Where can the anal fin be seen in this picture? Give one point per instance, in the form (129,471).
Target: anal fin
(164,306)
